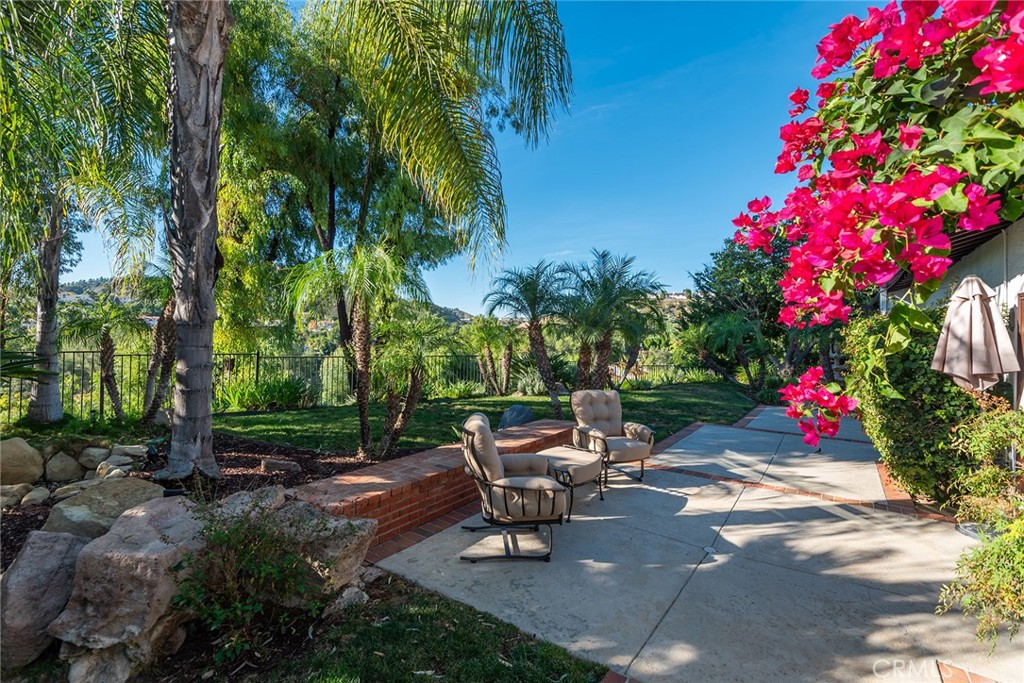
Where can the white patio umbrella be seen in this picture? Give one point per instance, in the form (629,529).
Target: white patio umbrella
(974,348)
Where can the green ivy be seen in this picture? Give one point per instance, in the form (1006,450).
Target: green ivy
(908,409)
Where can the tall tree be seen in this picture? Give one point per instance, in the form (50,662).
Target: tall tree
(197,42)
(79,84)
(534,295)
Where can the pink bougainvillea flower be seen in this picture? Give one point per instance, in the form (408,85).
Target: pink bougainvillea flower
(811,437)
(806,172)
(981,209)
(759,205)
(910,136)
(799,96)
(1001,63)
(966,14)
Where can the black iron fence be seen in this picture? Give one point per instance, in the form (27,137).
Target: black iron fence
(239,379)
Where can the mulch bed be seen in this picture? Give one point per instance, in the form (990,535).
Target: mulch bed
(239,460)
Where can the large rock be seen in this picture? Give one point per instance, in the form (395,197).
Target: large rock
(62,467)
(77,487)
(129,452)
(265,499)
(91,457)
(516,415)
(116,460)
(19,462)
(33,592)
(119,616)
(92,512)
(337,545)
(11,494)
(162,418)
(37,495)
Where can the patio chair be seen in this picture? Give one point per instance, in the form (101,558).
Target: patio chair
(515,492)
(599,426)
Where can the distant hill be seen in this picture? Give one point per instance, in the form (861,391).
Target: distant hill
(452,316)
(91,286)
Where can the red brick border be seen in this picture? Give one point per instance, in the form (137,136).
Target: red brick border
(951,673)
(406,493)
(749,417)
(670,441)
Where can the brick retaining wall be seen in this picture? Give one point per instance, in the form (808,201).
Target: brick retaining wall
(408,492)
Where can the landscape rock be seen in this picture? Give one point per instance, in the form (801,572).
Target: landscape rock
(89,474)
(37,495)
(116,473)
(129,452)
(516,415)
(337,545)
(371,574)
(268,498)
(119,616)
(272,465)
(350,596)
(560,389)
(92,512)
(11,494)
(116,460)
(77,487)
(162,418)
(92,456)
(33,592)
(19,462)
(62,467)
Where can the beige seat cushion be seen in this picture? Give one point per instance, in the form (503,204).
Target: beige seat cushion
(599,409)
(583,466)
(543,499)
(523,464)
(486,463)
(621,449)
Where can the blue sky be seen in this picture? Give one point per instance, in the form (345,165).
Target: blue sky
(673,128)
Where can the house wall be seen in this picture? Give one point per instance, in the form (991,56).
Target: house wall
(999,258)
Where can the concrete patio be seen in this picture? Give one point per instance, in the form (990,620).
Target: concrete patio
(689,578)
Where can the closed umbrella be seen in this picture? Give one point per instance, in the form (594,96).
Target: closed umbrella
(974,348)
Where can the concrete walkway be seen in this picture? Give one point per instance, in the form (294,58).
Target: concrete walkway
(685,578)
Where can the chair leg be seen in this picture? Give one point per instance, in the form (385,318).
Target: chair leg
(572,496)
(511,547)
(627,474)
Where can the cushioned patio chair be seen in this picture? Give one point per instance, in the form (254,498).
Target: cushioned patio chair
(515,492)
(599,426)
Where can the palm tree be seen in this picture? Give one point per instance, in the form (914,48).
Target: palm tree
(483,335)
(155,287)
(585,319)
(98,324)
(409,339)
(616,292)
(373,278)
(533,294)
(81,92)
(634,327)
(408,61)
(513,338)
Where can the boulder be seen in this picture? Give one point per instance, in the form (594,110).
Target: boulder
(129,452)
(89,474)
(62,467)
(92,512)
(268,498)
(272,465)
(336,544)
(116,473)
(77,487)
(119,616)
(19,462)
(33,592)
(11,494)
(116,460)
(162,418)
(37,495)
(370,574)
(91,457)
(516,415)
(560,389)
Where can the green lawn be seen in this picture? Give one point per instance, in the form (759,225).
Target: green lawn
(406,633)
(665,409)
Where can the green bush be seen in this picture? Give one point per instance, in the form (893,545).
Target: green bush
(459,389)
(528,382)
(637,385)
(274,393)
(913,433)
(250,580)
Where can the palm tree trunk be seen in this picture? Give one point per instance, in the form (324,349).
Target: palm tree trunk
(108,376)
(482,367)
(540,357)
(361,344)
(393,431)
(156,355)
(602,356)
(45,404)
(506,368)
(165,336)
(583,366)
(634,354)
(492,371)
(197,38)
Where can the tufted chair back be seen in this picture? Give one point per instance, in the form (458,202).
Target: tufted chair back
(599,409)
(479,448)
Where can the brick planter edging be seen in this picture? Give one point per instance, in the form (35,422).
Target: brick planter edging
(407,492)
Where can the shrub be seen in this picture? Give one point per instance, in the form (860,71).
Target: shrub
(459,389)
(274,393)
(250,581)
(637,385)
(912,430)
(527,381)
